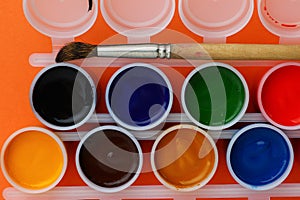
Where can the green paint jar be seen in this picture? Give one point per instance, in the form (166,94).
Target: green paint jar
(215,96)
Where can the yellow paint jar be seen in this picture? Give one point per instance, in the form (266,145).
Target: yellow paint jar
(33,160)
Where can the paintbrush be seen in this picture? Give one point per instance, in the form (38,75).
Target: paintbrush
(79,50)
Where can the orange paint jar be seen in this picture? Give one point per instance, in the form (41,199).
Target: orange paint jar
(184,157)
(33,160)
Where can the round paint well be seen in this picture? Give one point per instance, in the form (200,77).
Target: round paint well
(61,18)
(109,159)
(33,160)
(215,96)
(145,18)
(139,96)
(278,96)
(63,96)
(184,158)
(280,17)
(215,18)
(260,156)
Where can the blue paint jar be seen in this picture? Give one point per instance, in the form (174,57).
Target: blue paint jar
(260,156)
(139,96)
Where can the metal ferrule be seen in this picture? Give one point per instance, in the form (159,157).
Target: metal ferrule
(135,51)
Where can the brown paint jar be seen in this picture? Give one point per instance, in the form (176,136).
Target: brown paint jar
(109,159)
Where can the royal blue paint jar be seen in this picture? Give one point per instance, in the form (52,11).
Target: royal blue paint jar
(139,96)
(260,156)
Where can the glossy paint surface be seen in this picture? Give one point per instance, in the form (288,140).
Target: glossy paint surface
(214,96)
(259,156)
(139,96)
(33,160)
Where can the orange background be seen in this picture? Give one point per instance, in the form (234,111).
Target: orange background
(19,40)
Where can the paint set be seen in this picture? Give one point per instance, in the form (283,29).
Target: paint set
(183,106)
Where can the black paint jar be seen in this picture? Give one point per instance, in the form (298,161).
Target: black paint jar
(63,96)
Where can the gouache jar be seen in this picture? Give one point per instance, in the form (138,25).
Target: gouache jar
(137,18)
(63,96)
(109,159)
(260,156)
(184,158)
(61,19)
(215,96)
(215,18)
(281,18)
(139,96)
(279,95)
(33,160)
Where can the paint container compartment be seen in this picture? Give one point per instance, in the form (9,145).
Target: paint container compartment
(59,20)
(193,162)
(63,96)
(109,159)
(139,96)
(215,96)
(281,18)
(33,160)
(277,95)
(260,157)
(132,34)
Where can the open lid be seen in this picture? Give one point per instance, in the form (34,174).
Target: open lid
(138,19)
(61,18)
(215,20)
(281,18)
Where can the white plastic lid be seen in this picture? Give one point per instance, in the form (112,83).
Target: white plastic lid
(281,18)
(137,18)
(61,18)
(215,18)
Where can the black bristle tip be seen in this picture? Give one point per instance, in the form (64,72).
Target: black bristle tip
(74,51)
(90,5)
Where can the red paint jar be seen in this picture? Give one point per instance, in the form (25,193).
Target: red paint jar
(279,95)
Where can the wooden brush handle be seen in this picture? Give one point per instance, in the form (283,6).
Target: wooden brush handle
(235,51)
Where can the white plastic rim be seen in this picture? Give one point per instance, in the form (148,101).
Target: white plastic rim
(138,29)
(44,131)
(275,29)
(259,96)
(242,111)
(93,87)
(221,29)
(151,125)
(270,185)
(64,29)
(178,127)
(104,189)
(223,23)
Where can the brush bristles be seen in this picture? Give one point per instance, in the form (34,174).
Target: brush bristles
(76,50)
